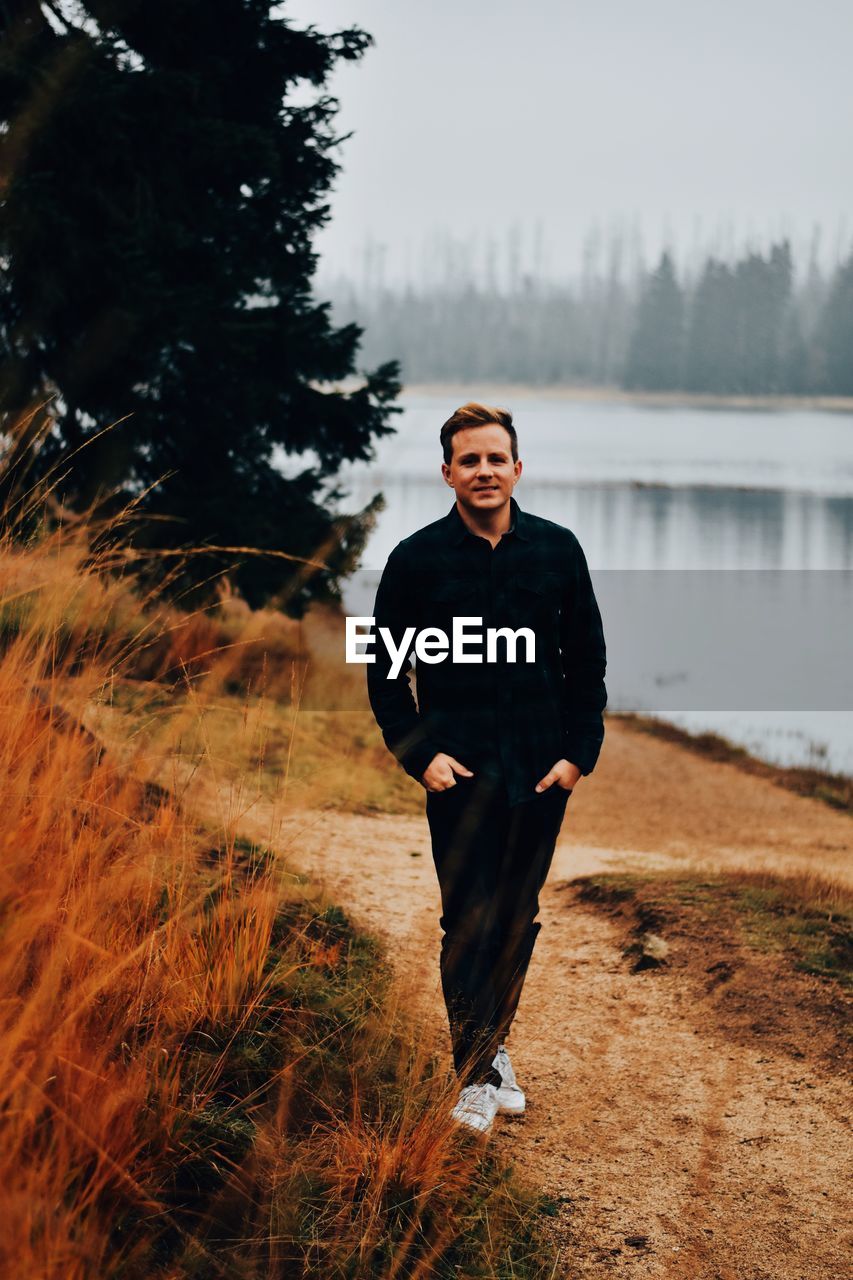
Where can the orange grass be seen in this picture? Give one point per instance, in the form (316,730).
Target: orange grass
(108,958)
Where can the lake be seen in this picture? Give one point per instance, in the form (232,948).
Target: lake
(716,491)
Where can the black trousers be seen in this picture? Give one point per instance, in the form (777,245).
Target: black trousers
(492,860)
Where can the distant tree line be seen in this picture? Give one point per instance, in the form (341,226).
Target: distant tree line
(746,326)
(741,330)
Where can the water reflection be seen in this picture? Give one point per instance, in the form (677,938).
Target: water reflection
(623,526)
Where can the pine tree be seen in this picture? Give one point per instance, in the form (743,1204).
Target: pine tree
(656,351)
(710,360)
(834,338)
(760,294)
(161,188)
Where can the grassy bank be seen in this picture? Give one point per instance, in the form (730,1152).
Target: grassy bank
(319,759)
(833,789)
(807,919)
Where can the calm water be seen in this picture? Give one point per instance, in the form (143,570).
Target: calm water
(656,489)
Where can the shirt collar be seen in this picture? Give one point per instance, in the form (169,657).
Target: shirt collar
(458,529)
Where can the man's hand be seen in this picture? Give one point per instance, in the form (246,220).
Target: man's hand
(563,774)
(441,772)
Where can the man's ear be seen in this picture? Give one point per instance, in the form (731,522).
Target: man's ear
(445,471)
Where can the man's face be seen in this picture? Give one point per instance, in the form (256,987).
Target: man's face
(481,469)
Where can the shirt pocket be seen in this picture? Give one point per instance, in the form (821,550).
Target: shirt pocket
(536,601)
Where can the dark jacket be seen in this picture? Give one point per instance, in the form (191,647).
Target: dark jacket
(520,718)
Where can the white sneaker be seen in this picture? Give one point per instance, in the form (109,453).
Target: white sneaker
(477,1106)
(511,1101)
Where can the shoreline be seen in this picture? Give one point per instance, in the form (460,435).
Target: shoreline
(574,393)
(833,789)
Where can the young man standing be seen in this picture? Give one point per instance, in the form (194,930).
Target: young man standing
(497,740)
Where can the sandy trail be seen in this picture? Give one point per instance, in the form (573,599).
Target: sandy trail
(644,1119)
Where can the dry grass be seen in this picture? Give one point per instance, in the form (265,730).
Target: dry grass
(169,673)
(320,759)
(52,588)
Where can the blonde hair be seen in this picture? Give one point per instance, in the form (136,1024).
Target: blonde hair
(474,414)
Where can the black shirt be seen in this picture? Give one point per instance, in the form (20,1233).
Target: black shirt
(512,718)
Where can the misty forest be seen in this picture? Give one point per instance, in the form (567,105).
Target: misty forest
(733,322)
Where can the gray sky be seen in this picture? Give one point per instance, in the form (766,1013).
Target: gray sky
(682,117)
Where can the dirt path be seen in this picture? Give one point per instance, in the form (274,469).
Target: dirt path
(644,1120)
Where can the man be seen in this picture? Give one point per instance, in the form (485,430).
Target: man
(497,745)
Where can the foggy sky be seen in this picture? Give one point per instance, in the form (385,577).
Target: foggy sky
(682,118)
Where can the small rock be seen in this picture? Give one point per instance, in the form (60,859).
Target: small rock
(651,951)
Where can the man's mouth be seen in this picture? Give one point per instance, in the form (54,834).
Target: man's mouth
(486,488)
